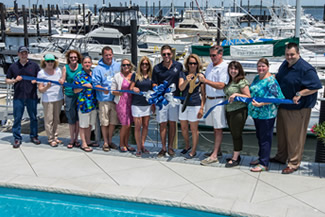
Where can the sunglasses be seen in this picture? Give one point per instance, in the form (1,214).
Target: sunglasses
(73,57)
(213,55)
(192,63)
(144,64)
(50,61)
(166,54)
(124,65)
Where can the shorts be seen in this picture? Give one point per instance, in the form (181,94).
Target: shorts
(140,111)
(71,108)
(217,118)
(167,113)
(190,113)
(107,113)
(86,119)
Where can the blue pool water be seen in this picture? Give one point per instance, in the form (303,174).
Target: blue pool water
(27,203)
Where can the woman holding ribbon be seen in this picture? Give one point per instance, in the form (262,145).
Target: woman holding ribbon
(192,110)
(52,97)
(87,104)
(264,85)
(236,112)
(141,81)
(69,72)
(123,100)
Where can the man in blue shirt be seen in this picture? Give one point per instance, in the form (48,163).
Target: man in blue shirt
(102,78)
(167,70)
(298,81)
(25,94)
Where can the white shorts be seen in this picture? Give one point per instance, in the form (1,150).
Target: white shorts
(167,113)
(86,119)
(190,113)
(217,118)
(140,111)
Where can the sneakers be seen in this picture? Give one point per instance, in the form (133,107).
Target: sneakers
(35,140)
(208,161)
(17,143)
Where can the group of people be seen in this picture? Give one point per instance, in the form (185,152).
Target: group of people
(105,90)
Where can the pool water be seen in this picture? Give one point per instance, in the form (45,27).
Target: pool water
(28,203)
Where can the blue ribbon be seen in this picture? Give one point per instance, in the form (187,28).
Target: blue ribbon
(248,100)
(30,78)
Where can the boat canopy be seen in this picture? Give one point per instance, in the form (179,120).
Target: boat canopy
(265,48)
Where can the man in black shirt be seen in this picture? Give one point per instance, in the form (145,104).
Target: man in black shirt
(25,94)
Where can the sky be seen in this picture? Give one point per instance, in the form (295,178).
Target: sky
(163,2)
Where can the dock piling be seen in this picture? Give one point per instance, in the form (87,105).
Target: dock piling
(49,19)
(84,18)
(3,24)
(134,43)
(26,42)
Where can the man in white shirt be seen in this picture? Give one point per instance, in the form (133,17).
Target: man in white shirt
(216,78)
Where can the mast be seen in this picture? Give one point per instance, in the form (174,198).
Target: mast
(298,17)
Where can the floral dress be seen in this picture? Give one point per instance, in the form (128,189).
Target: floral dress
(123,108)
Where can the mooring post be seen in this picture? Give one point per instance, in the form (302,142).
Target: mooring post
(26,42)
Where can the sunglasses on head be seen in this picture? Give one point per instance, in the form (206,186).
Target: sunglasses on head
(166,54)
(50,61)
(192,63)
(128,65)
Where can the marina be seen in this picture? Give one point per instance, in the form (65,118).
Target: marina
(134,31)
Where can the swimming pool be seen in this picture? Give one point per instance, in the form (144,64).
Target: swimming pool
(27,203)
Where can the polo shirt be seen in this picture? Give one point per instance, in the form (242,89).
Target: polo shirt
(218,73)
(144,86)
(299,76)
(24,89)
(195,97)
(160,74)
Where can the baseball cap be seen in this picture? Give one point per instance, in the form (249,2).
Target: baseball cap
(49,57)
(22,49)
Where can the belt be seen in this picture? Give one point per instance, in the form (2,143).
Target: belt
(216,97)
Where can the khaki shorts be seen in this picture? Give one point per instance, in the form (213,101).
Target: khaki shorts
(87,119)
(107,113)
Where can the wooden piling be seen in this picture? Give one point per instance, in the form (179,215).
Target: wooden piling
(3,24)
(249,13)
(16,12)
(324,14)
(79,9)
(41,12)
(37,27)
(264,19)
(84,17)
(95,9)
(153,10)
(219,27)
(89,22)
(57,11)
(160,11)
(261,7)
(134,43)
(147,9)
(49,19)
(26,42)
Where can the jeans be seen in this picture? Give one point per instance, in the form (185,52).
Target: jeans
(19,107)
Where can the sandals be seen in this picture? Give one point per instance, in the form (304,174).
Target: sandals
(130,149)
(162,153)
(106,148)
(171,152)
(123,149)
(232,162)
(184,151)
(144,151)
(93,144)
(189,156)
(138,154)
(86,149)
(53,144)
(259,168)
(70,145)
(76,144)
(58,141)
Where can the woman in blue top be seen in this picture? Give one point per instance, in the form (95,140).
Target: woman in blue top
(189,84)
(87,104)
(263,114)
(141,81)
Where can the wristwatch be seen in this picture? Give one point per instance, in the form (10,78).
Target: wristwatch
(298,94)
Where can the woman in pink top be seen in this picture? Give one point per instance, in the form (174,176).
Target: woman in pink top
(122,81)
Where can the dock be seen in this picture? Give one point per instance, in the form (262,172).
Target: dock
(167,181)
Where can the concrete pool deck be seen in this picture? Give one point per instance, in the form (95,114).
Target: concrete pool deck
(168,181)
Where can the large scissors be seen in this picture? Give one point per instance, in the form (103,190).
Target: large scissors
(193,85)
